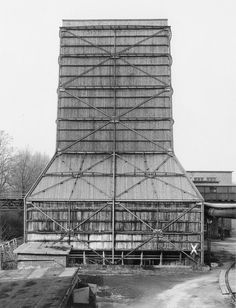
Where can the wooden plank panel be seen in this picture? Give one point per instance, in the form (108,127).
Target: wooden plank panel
(101,223)
(88,45)
(90,95)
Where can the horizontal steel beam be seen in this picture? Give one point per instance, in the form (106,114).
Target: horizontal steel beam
(126,119)
(100,174)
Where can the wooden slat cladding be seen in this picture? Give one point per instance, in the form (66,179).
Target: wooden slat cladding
(122,39)
(130,232)
(88,79)
(114,164)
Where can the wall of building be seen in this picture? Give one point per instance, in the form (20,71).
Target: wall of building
(211,177)
(130,231)
(216,187)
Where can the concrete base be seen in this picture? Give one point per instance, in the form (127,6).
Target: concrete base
(38,261)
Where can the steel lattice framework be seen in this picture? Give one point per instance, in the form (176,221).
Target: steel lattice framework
(114,140)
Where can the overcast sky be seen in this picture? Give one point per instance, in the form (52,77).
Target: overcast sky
(203,48)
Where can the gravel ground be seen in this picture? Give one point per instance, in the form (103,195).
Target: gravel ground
(168,290)
(163,291)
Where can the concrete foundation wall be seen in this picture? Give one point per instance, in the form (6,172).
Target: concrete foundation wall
(25,261)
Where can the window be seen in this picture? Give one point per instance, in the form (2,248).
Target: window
(212,189)
(198,179)
(211,179)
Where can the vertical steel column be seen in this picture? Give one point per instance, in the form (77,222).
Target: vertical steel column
(25,220)
(114,151)
(1,233)
(170,78)
(202,233)
(69,222)
(208,242)
(222,228)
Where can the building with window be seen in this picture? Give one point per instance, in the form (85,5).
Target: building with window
(216,187)
(211,177)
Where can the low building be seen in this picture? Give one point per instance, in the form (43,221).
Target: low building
(211,177)
(216,187)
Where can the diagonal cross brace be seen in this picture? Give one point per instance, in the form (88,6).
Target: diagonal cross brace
(67,230)
(146,175)
(94,186)
(143,40)
(110,55)
(180,216)
(123,50)
(158,233)
(83,73)
(142,221)
(49,217)
(86,103)
(72,176)
(174,186)
(92,215)
(88,42)
(84,137)
(155,177)
(143,71)
(144,137)
(143,102)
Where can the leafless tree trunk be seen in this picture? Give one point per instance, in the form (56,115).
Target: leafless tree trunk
(6,152)
(18,173)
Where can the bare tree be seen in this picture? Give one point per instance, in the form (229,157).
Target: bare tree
(6,152)
(26,168)
(18,173)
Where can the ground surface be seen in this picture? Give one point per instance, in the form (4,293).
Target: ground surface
(146,289)
(30,288)
(170,290)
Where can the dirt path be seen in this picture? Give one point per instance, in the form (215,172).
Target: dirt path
(171,290)
(141,291)
(204,291)
(201,292)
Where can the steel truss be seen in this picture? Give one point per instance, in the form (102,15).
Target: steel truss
(114,120)
(11,204)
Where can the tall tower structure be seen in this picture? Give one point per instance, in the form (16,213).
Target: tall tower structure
(114,189)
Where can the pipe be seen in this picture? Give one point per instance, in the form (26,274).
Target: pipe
(226,213)
(220,210)
(220,205)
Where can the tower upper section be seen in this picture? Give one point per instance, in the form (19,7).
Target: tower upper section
(115,86)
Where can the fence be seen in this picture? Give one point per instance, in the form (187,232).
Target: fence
(8,260)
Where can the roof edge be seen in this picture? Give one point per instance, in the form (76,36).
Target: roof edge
(114,22)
